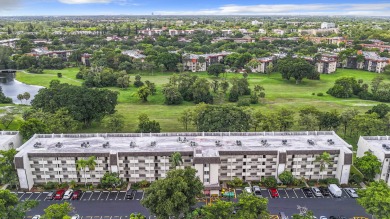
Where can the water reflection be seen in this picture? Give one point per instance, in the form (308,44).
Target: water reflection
(12,87)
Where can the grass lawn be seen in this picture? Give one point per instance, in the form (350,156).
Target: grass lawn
(279,93)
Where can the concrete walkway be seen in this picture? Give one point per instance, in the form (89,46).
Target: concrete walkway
(4,187)
(362,185)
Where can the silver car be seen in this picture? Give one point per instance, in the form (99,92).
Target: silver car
(352,192)
(257,191)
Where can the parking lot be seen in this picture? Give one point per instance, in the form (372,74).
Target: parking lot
(85,197)
(296,193)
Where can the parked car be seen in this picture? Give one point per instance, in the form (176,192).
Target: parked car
(50,195)
(248,189)
(335,190)
(68,194)
(307,192)
(36,217)
(333,217)
(316,192)
(76,216)
(323,217)
(352,192)
(130,194)
(324,191)
(257,191)
(274,193)
(59,194)
(77,195)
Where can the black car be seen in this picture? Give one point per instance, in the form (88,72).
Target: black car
(324,191)
(307,192)
(130,194)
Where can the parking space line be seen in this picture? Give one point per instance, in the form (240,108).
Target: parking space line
(269,193)
(303,193)
(108,195)
(295,193)
(143,193)
(99,196)
(347,193)
(29,196)
(81,198)
(38,196)
(90,196)
(286,193)
(116,195)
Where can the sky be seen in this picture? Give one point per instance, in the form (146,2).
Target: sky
(194,7)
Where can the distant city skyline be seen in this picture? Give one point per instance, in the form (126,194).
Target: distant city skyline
(200,7)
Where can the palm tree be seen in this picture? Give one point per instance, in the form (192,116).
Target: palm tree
(176,160)
(83,164)
(324,160)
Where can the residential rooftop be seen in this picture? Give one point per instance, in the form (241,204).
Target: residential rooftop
(208,143)
(382,142)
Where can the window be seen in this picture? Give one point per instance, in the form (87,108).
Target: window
(207,180)
(206,172)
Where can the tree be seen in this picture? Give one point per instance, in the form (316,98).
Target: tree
(329,120)
(176,160)
(114,122)
(185,118)
(146,126)
(201,91)
(20,97)
(235,183)
(252,207)
(83,104)
(219,210)
(296,68)
(173,195)
(8,172)
(7,119)
(180,67)
(323,160)
(10,207)
(346,118)
(32,126)
(270,182)
(172,95)
(286,177)
(224,86)
(215,86)
(26,96)
(58,211)
(216,69)
(381,109)
(234,94)
(123,81)
(285,118)
(369,165)
(375,199)
(344,87)
(138,82)
(111,180)
(304,215)
(82,164)
(143,93)
(386,70)
(137,216)
(366,124)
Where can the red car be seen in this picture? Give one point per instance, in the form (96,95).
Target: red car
(77,194)
(274,193)
(59,194)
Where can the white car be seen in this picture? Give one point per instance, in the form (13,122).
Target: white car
(352,192)
(36,217)
(68,194)
(316,192)
(323,217)
(76,216)
(248,189)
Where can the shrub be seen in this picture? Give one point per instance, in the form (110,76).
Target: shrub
(138,83)
(59,75)
(355,179)
(49,185)
(320,94)
(270,182)
(243,102)
(286,178)
(144,184)
(313,94)
(254,99)
(236,182)
(332,181)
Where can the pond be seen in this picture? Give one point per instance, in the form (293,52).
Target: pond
(12,87)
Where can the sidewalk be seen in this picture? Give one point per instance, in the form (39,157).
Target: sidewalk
(362,185)
(4,187)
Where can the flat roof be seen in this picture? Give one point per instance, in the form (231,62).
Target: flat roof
(5,136)
(378,142)
(208,144)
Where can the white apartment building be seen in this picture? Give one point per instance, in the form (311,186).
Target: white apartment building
(10,139)
(263,64)
(192,62)
(326,25)
(380,147)
(217,157)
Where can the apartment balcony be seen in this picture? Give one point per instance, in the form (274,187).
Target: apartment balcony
(150,175)
(231,160)
(297,159)
(149,161)
(206,169)
(149,168)
(134,168)
(311,159)
(310,166)
(133,161)
(296,166)
(43,169)
(42,162)
(134,175)
(58,176)
(231,174)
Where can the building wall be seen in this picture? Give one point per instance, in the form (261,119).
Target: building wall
(14,142)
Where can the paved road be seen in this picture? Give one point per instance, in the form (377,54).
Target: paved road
(113,205)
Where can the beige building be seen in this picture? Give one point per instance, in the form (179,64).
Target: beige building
(217,157)
(380,147)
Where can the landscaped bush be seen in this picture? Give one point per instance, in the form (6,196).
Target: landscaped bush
(243,102)
(355,179)
(320,94)
(59,75)
(286,178)
(236,182)
(270,182)
(50,185)
(332,181)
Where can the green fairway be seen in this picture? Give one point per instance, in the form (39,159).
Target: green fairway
(279,93)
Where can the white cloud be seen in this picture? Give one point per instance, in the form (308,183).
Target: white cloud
(6,5)
(379,9)
(84,1)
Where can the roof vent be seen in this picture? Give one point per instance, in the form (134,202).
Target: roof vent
(133,144)
(153,144)
(59,145)
(330,141)
(182,140)
(106,145)
(192,143)
(218,143)
(264,142)
(284,141)
(238,143)
(384,145)
(311,142)
(85,145)
(37,144)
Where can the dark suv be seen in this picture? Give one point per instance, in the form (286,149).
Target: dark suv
(324,191)
(130,194)
(307,192)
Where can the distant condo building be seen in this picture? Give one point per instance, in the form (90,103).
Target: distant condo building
(326,25)
(217,157)
(10,139)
